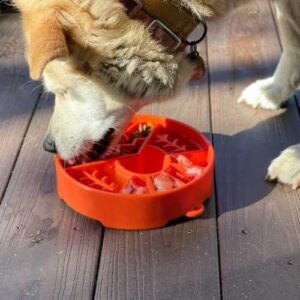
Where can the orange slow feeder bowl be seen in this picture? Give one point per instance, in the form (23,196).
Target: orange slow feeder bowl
(163,170)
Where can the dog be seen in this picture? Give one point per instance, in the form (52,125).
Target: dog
(103,64)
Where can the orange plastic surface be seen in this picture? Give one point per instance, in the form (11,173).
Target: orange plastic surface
(126,190)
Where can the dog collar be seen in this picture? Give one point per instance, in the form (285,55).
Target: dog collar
(168,23)
(171,27)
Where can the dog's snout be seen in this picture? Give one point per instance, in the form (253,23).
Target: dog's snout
(49,144)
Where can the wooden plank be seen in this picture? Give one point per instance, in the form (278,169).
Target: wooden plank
(259,222)
(46,250)
(177,262)
(17,101)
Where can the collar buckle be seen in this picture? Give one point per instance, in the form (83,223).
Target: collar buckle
(157,24)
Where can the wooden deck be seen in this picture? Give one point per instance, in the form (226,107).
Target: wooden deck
(246,246)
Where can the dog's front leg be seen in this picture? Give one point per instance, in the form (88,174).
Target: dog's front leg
(272,92)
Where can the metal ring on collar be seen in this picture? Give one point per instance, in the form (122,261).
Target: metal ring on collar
(192,43)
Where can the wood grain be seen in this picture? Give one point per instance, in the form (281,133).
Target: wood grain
(46,250)
(18,96)
(259,222)
(177,262)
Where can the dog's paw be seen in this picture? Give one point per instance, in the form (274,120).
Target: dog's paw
(262,94)
(286,167)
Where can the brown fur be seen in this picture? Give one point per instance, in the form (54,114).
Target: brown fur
(116,48)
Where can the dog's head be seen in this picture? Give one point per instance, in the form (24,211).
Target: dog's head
(101,65)
(88,117)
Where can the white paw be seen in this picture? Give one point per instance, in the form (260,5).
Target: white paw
(286,167)
(261,94)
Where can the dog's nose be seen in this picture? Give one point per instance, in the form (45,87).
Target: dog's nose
(49,144)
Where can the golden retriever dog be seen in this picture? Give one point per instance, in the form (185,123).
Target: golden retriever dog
(102,65)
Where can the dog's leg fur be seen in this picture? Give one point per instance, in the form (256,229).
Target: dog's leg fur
(272,92)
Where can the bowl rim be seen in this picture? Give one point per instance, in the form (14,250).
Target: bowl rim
(206,169)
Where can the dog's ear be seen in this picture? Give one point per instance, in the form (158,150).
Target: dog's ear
(46,41)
